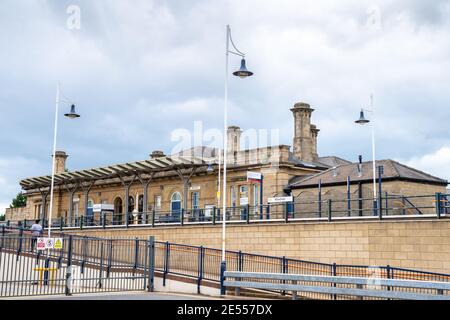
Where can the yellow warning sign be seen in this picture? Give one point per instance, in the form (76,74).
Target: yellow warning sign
(58,243)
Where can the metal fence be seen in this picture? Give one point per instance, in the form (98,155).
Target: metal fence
(203,264)
(83,265)
(389,206)
(94,265)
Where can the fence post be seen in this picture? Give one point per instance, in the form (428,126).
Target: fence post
(283,270)
(19,250)
(201,257)
(100,275)
(69,268)
(329,209)
(334,275)
(237,290)
(81,223)
(151,264)
(268,212)
(438,205)
(153,217)
(108,270)
(166,262)
(223,268)
(286,214)
(214,216)
(136,253)
(247,208)
(104,220)
(182,217)
(61,221)
(386,209)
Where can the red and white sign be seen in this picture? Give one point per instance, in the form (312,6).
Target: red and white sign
(254,176)
(40,244)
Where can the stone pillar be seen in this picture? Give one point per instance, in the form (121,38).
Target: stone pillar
(234,139)
(60,162)
(314,134)
(303,140)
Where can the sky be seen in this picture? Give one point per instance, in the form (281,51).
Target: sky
(140,70)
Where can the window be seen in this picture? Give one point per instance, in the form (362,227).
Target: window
(175,203)
(195,200)
(157,202)
(255,197)
(233,197)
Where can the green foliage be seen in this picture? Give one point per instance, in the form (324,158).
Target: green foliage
(2,217)
(19,201)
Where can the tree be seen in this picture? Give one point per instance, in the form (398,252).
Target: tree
(2,217)
(19,201)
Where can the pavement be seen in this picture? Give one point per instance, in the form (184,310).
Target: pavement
(120,296)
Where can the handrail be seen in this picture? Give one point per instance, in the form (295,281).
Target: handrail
(359,291)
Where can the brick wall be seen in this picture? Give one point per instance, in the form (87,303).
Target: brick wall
(415,244)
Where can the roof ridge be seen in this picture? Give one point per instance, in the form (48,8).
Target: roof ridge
(317,174)
(417,170)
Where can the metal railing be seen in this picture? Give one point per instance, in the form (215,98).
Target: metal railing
(326,210)
(82,265)
(337,285)
(122,264)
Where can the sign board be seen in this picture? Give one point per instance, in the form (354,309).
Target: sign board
(209,209)
(40,244)
(243,201)
(58,243)
(195,188)
(102,207)
(281,199)
(253,176)
(49,243)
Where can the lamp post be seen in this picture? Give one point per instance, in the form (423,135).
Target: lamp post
(362,121)
(242,73)
(71,115)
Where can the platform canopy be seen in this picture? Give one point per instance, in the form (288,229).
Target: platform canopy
(162,164)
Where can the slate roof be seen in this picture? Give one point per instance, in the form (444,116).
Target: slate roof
(393,170)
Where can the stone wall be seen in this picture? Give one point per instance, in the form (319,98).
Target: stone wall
(415,244)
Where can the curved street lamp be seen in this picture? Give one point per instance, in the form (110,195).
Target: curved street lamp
(71,115)
(242,73)
(362,121)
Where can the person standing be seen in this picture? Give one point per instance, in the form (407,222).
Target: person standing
(36,231)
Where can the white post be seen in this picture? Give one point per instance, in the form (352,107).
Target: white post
(53,163)
(225,143)
(219,182)
(373,151)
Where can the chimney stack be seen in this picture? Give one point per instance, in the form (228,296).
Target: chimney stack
(157,154)
(314,134)
(305,135)
(60,162)
(234,139)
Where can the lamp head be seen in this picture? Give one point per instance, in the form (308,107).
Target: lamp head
(362,120)
(72,114)
(243,72)
(210,169)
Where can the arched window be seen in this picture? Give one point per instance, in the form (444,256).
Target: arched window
(130,204)
(175,202)
(141,203)
(118,210)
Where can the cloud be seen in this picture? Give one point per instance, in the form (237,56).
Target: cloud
(139,70)
(436,163)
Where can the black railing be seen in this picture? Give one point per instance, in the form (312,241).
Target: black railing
(122,264)
(326,210)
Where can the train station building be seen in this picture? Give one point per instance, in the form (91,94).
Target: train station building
(187,182)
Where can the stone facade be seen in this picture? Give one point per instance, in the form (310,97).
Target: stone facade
(415,244)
